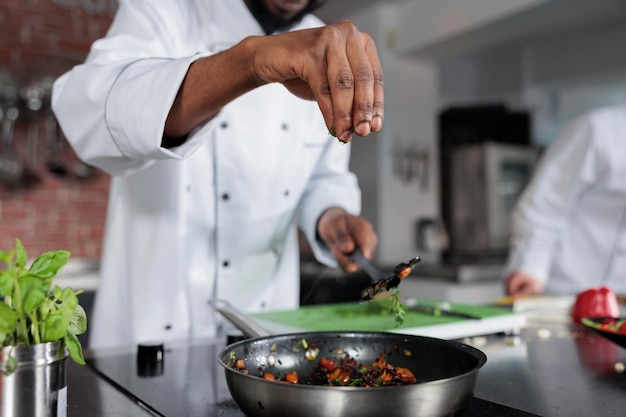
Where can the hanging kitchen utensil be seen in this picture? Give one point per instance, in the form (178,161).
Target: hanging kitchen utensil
(381,280)
(54,161)
(31,175)
(446,373)
(32,97)
(11,167)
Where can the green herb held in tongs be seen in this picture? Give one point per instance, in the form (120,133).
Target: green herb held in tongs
(396,307)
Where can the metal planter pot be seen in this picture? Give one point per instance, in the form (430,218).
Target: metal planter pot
(38,386)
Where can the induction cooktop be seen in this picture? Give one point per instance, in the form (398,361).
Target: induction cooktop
(188,381)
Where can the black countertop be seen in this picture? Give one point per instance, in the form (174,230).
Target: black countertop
(555,371)
(547,370)
(90,395)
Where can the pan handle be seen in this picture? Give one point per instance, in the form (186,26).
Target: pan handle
(246,324)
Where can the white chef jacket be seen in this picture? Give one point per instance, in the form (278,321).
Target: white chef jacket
(569,226)
(216,217)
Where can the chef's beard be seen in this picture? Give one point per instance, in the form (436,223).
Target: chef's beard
(272,23)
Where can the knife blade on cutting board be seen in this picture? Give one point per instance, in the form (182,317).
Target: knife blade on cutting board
(441,309)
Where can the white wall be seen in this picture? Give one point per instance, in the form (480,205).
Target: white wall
(557,78)
(425,22)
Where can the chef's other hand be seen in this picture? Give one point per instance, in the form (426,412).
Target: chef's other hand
(343,233)
(520,283)
(336,65)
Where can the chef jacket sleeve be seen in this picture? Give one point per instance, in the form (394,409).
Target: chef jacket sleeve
(113,108)
(567,168)
(332,185)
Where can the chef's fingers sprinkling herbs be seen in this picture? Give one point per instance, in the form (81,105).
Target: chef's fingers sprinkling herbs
(337,65)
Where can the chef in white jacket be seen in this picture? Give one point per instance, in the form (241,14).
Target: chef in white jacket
(215,157)
(569,226)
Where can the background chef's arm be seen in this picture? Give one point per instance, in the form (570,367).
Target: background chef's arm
(541,213)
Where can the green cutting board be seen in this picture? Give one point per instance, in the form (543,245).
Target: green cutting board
(376,316)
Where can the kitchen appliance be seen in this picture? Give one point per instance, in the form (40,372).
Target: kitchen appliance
(486,180)
(486,160)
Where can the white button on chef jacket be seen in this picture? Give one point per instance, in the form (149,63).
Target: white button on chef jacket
(216,217)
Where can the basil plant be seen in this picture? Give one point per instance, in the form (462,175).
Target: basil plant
(31,310)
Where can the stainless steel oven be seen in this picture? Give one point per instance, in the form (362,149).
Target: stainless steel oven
(485,181)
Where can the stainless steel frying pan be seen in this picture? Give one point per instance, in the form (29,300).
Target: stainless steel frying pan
(446,373)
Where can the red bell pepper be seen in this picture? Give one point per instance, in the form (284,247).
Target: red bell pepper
(595,302)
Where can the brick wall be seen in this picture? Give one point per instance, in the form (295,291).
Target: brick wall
(59,203)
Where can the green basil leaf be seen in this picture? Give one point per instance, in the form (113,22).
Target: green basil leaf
(78,322)
(6,257)
(74,348)
(32,292)
(6,283)
(68,304)
(58,292)
(69,298)
(8,319)
(48,264)
(55,326)
(20,254)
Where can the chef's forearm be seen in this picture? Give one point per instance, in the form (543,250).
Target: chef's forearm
(211,83)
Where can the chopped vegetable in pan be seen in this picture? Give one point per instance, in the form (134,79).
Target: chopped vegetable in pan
(347,372)
(344,371)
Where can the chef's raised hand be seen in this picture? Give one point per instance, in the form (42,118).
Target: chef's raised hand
(336,65)
(343,233)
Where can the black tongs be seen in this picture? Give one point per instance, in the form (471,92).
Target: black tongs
(381,280)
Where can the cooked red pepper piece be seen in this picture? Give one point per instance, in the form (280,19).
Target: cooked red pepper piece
(328,364)
(404,272)
(405,375)
(335,374)
(292,377)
